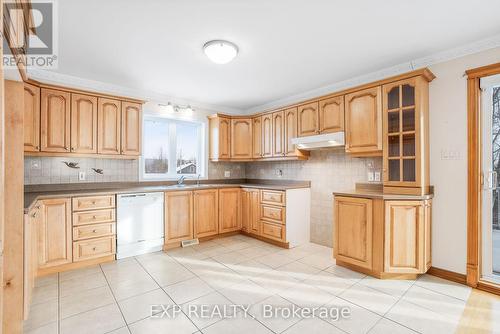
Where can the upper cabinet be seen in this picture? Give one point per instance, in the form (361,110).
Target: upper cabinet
(220,138)
(131,128)
(257,137)
(241,138)
(31,118)
(308,119)
(83,123)
(278,134)
(267,136)
(331,115)
(109,126)
(363,122)
(406,132)
(55,120)
(290,127)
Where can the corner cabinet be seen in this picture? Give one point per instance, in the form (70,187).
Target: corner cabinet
(220,138)
(363,122)
(229,210)
(55,121)
(406,136)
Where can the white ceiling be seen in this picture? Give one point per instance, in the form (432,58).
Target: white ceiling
(286,46)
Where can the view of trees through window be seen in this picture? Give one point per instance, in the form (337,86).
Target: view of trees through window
(496,152)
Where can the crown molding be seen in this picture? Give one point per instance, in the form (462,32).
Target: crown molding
(51,77)
(440,57)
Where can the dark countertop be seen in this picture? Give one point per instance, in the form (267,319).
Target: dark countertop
(367,190)
(32,193)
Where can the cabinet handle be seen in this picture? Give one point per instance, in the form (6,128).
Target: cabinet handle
(94,231)
(34,215)
(37,147)
(93,248)
(94,217)
(66,148)
(72,148)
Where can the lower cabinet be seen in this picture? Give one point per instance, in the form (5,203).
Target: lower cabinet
(250,208)
(178,216)
(206,213)
(31,222)
(229,209)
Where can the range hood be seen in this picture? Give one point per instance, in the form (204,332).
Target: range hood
(320,141)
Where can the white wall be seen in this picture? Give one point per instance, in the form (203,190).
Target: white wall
(448,131)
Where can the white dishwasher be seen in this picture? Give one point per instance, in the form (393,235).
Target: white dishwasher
(140,227)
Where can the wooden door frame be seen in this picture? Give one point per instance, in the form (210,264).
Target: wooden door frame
(474,176)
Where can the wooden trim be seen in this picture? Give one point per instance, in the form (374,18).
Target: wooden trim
(448,275)
(483,71)
(376,274)
(82,155)
(75,265)
(488,287)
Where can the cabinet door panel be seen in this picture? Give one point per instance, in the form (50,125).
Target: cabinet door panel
(206,213)
(109,126)
(83,123)
(31,118)
(278,134)
(229,210)
(250,207)
(353,231)
(363,121)
(331,115)
(178,216)
(224,138)
(241,138)
(55,121)
(267,136)
(257,138)
(308,119)
(131,128)
(290,131)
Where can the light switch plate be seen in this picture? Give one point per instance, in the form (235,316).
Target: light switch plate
(227,173)
(370,177)
(377,176)
(81,176)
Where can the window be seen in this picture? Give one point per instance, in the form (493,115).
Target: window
(172,148)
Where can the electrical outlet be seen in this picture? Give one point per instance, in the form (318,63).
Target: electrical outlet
(81,176)
(227,173)
(377,176)
(279,172)
(370,177)
(35,164)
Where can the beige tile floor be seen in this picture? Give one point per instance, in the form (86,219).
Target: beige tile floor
(117,297)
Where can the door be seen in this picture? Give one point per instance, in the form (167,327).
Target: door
(290,131)
(406,237)
(331,115)
(109,126)
(278,134)
(241,138)
(250,207)
(31,118)
(308,119)
(363,121)
(224,138)
(131,128)
(267,136)
(353,231)
(54,233)
(55,121)
(206,213)
(229,210)
(490,164)
(178,216)
(83,123)
(257,137)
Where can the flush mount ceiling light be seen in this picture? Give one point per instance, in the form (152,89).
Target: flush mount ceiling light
(220,52)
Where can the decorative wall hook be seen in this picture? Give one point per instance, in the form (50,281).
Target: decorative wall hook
(98,170)
(71,164)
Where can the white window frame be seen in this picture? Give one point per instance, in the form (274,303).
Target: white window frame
(172,149)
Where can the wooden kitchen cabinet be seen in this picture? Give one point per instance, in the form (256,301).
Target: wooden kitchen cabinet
(363,122)
(206,213)
(31,118)
(278,136)
(220,138)
(241,138)
(250,207)
(55,121)
(290,127)
(353,231)
(83,123)
(407,237)
(55,233)
(257,137)
(31,224)
(331,115)
(131,134)
(267,136)
(308,119)
(229,210)
(109,126)
(178,216)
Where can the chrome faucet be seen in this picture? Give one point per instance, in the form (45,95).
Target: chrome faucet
(198,180)
(180,181)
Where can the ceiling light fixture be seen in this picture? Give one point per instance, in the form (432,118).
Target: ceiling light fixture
(220,52)
(175,108)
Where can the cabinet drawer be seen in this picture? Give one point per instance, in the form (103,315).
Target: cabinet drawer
(94,248)
(93,202)
(94,231)
(273,231)
(273,197)
(273,213)
(93,217)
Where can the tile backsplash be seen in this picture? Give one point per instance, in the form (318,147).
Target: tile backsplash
(327,170)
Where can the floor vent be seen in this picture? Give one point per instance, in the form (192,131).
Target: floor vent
(192,242)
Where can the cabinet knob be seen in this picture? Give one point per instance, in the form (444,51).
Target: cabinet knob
(34,215)
(37,147)
(72,148)
(37,206)
(94,217)
(66,148)
(94,231)
(93,248)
